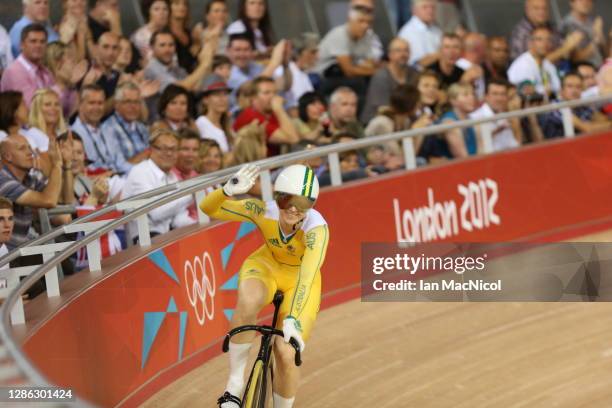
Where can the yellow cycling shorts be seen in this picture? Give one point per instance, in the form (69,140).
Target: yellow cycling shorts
(262,266)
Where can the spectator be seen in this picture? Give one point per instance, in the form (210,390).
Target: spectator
(312,124)
(588,73)
(6,54)
(27,73)
(396,72)
(580,19)
(244,68)
(91,191)
(156,13)
(26,186)
(189,148)
(174,109)
(461,142)
(474,51)
(498,59)
(15,114)
(397,116)
(161,66)
(506,134)
(34,12)
(267,109)
(215,20)
(536,16)
(153,173)
(124,57)
(533,65)
(244,97)
(585,119)
(101,71)
(214,123)
(210,157)
(100,148)
(46,113)
(306,51)
(179,25)
(422,33)
(222,66)
(343,112)
(347,54)
(124,127)
(254,20)
(7,223)
(104,16)
(446,66)
(73,29)
(66,74)
(429,89)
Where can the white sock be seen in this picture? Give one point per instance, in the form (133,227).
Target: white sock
(280,402)
(238,354)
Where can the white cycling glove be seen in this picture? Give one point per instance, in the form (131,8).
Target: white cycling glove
(292,329)
(242,181)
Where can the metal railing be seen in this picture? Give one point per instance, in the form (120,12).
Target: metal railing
(17,364)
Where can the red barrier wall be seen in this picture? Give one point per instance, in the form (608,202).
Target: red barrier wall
(144,326)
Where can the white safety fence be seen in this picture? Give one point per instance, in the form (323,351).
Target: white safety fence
(15,366)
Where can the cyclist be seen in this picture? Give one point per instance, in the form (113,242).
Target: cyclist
(296,238)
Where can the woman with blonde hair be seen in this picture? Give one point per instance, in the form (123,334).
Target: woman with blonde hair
(46,113)
(250,145)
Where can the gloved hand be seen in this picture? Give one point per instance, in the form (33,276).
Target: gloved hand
(291,328)
(242,181)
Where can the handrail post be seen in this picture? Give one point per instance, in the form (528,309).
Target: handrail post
(568,123)
(198,196)
(409,155)
(486,132)
(333,161)
(144,235)
(266,185)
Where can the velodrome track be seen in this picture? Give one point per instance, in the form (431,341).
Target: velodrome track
(459,355)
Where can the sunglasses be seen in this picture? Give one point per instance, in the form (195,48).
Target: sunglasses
(286,201)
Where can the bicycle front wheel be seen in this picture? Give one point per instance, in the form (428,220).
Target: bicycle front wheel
(254,396)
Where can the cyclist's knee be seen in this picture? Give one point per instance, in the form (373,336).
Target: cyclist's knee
(284,353)
(252,294)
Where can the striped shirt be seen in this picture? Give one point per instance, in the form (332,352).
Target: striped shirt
(131,137)
(12,189)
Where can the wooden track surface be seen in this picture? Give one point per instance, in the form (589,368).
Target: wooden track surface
(459,355)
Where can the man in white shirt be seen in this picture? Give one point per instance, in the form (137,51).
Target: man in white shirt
(506,134)
(422,33)
(153,173)
(533,65)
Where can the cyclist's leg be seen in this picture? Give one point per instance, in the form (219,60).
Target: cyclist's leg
(284,354)
(255,290)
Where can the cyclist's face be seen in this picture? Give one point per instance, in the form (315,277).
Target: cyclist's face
(292,215)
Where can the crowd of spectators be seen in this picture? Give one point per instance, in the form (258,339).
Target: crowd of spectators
(90,114)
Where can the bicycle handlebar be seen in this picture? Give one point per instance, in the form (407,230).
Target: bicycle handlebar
(266,331)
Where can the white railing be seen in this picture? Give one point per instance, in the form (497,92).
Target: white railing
(15,364)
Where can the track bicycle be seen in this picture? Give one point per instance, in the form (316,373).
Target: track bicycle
(262,374)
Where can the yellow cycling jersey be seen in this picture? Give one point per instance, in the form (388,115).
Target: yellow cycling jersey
(304,250)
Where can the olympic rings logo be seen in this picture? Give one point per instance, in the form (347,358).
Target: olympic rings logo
(201,287)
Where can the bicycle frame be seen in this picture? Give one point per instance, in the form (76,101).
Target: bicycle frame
(265,350)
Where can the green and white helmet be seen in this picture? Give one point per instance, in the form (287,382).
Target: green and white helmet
(298,180)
